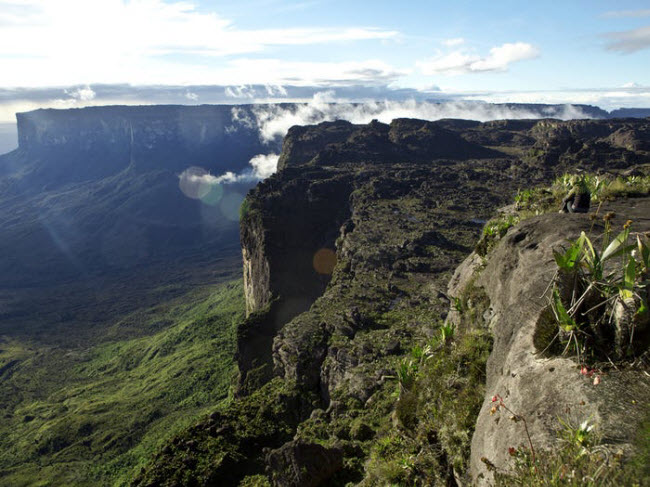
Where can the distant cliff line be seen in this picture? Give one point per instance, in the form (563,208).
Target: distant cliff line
(196,124)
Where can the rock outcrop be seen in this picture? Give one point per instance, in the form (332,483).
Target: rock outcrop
(348,251)
(300,464)
(542,389)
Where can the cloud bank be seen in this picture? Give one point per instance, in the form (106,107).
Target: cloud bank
(273,122)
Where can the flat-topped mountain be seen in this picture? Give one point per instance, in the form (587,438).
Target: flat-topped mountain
(348,251)
(90,143)
(98,188)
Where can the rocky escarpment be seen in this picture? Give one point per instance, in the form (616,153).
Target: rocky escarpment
(399,210)
(80,144)
(98,188)
(392,162)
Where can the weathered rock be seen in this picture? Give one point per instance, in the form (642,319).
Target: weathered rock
(540,389)
(300,464)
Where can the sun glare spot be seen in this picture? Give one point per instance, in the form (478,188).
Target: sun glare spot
(230,204)
(214,195)
(194,183)
(324,261)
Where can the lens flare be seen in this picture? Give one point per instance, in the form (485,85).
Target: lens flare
(325,261)
(195,182)
(230,204)
(214,195)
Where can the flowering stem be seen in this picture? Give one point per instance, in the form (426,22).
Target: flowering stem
(517,417)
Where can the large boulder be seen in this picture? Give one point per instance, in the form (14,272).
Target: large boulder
(540,388)
(301,464)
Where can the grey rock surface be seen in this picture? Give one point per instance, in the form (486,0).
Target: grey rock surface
(543,390)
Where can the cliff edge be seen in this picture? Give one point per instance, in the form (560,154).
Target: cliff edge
(348,252)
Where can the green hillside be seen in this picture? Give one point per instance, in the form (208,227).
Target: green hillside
(92,416)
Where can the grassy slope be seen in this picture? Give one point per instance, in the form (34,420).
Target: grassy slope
(92,416)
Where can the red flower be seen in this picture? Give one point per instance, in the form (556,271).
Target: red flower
(512,451)
(584,370)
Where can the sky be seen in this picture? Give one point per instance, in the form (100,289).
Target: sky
(68,53)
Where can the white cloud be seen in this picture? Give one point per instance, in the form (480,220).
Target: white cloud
(276,91)
(462,61)
(273,121)
(76,97)
(116,41)
(196,182)
(82,93)
(191,96)
(312,73)
(629,41)
(264,165)
(242,91)
(457,41)
(618,14)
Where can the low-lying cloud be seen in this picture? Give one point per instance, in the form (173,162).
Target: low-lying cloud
(274,121)
(196,182)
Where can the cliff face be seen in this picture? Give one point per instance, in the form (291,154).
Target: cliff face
(94,142)
(348,250)
(95,189)
(325,169)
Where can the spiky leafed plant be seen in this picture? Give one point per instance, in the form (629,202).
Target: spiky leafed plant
(593,298)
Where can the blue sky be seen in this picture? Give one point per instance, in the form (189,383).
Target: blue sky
(569,35)
(548,51)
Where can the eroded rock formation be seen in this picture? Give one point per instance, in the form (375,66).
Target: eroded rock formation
(401,205)
(542,389)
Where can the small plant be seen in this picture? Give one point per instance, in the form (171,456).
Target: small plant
(418,353)
(407,373)
(577,461)
(581,436)
(494,230)
(447,332)
(498,404)
(594,299)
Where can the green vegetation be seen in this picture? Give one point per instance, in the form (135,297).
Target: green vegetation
(435,413)
(244,208)
(545,199)
(600,298)
(579,460)
(225,448)
(93,416)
